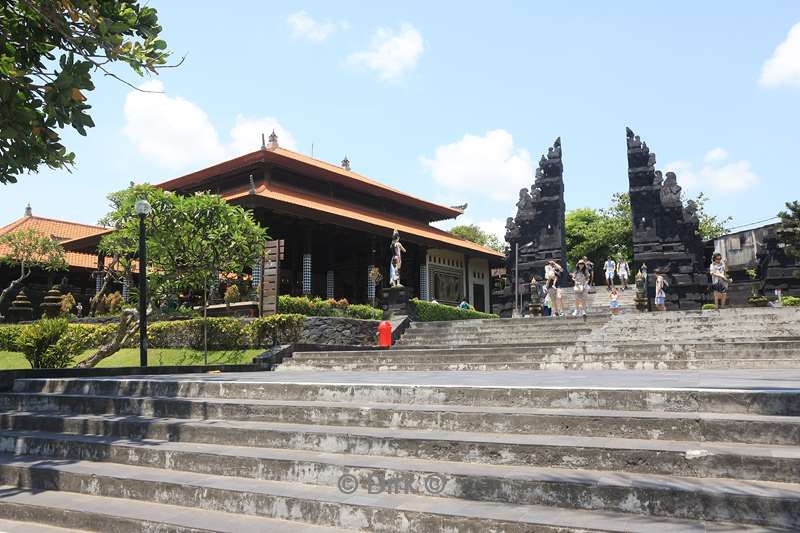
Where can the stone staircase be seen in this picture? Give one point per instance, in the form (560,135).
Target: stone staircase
(678,340)
(220,454)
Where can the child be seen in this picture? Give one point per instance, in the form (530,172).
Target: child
(614,301)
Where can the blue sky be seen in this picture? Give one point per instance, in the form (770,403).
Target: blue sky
(455,101)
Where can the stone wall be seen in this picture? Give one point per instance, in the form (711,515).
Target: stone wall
(337,330)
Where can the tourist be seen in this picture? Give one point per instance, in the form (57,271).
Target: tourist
(581,279)
(719,280)
(589,269)
(622,272)
(661,291)
(463,305)
(552,272)
(611,268)
(613,303)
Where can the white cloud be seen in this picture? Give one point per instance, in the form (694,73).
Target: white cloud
(304,26)
(391,54)
(494,226)
(177,134)
(783,68)
(489,165)
(730,178)
(170,130)
(716,154)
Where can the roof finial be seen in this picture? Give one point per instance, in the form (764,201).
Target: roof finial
(28,210)
(346,163)
(252,185)
(263,142)
(273,141)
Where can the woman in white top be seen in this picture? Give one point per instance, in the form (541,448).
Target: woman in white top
(719,280)
(661,294)
(622,272)
(581,279)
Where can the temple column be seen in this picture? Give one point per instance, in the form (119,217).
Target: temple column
(467,284)
(307,263)
(329,275)
(424,289)
(98,276)
(370,281)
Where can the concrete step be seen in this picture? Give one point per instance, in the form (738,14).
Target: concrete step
(44,394)
(569,364)
(466,355)
(13,526)
(319,454)
(244,416)
(751,502)
(85,512)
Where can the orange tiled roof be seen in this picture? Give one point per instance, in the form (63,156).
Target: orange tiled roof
(358,214)
(309,165)
(60,230)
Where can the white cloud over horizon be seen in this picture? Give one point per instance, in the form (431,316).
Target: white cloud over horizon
(488,165)
(303,25)
(716,174)
(783,68)
(176,133)
(715,154)
(391,53)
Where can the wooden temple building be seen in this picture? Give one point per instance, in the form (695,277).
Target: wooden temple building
(336,226)
(80,275)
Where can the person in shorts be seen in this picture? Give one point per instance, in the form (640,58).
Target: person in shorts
(581,279)
(622,272)
(719,280)
(610,268)
(613,302)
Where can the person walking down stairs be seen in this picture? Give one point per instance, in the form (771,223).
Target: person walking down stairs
(581,279)
(611,268)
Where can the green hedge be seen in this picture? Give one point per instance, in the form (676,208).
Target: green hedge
(431,312)
(791,301)
(708,307)
(223,333)
(302,305)
(226,332)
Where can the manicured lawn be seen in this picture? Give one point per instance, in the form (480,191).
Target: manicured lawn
(155,357)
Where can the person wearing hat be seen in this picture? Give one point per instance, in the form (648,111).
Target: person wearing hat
(661,287)
(581,279)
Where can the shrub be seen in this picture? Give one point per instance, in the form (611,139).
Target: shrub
(67,303)
(707,307)
(791,301)
(430,312)
(223,333)
(275,329)
(365,312)
(302,305)
(110,304)
(231,295)
(9,336)
(49,343)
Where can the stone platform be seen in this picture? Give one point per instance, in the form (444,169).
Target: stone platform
(477,451)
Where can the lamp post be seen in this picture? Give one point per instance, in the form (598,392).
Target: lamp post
(142,209)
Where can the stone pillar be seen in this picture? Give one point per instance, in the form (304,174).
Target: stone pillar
(307,263)
(329,284)
(98,276)
(467,282)
(370,284)
(424,291)
(257,267)
(126,289)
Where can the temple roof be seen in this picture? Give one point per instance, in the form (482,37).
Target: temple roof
(61,231)
(308,166)
(346,214)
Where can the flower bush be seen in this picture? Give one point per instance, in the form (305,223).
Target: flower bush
(431,312)
(302,305)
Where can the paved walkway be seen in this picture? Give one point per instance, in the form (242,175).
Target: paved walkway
(780,379)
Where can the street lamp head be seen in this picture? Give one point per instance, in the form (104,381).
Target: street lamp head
(143,207)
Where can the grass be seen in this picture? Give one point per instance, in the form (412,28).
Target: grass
(155,357)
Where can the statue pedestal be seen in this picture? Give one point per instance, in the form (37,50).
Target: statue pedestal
(395,300)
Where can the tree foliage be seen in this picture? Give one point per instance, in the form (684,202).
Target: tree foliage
(190,239)
(789,231)
(600,233)
(473,233)
(48,53)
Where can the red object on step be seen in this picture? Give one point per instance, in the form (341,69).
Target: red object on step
(385,334)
